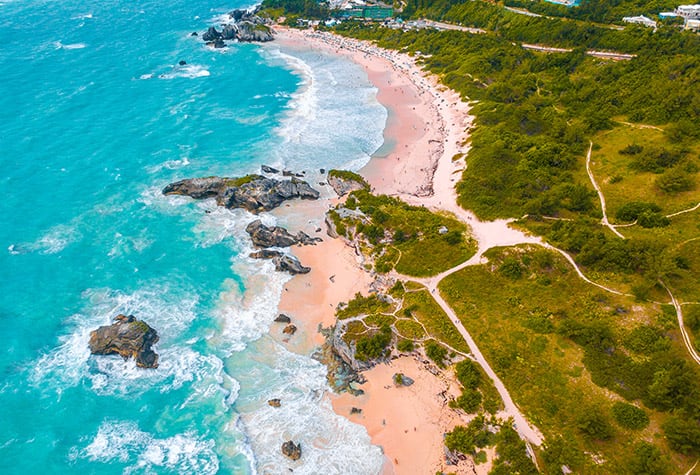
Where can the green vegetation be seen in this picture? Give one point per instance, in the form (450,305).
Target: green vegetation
(559,346)
(629,416)
(242,180)
(350,176)
(477,389)
(436,352)
(361,305)
(399,236)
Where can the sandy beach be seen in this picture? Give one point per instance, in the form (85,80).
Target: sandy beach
(427,126)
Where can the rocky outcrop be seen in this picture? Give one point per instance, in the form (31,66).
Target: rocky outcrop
(283,262)
(268,169)
(282,318)
(291,264)
(275,236)
(252,192)
(344,182)
(401,379)
(127,337)
(244,26)
(274,402)
(291,450)
(290,329)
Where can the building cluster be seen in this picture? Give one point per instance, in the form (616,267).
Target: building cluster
(362,10)
(689,13)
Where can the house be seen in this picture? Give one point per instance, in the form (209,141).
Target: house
(691,12)
(640,20)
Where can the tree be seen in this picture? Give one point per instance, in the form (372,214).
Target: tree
(648,460)
(629,416)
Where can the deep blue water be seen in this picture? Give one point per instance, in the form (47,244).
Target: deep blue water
(95,118)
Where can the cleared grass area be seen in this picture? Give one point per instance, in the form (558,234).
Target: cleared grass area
(421,306)
(567,351)
(622,183)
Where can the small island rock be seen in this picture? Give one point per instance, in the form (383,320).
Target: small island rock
(282,318)
(290,329)
(291,450)
(127,337)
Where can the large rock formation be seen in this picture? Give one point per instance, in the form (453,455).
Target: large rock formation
(127,337)
(283,262)
(244,25)
(252,192)
(275,236)
(291,450)
(344,182)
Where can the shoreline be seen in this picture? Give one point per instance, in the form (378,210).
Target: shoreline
(427,125)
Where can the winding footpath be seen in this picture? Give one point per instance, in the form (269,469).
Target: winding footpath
(604,221)
(679,315)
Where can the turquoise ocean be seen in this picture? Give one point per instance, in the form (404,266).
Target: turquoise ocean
(96,116)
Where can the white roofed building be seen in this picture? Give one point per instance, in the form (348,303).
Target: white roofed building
(640,20)
(689,11)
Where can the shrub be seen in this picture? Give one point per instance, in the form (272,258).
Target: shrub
(629,416)
(593,424)
(675,181)
(631,211)
(648,460)
(436,352)
(468,374)
(373,346)
(469,401)
(405,346)
(511,268)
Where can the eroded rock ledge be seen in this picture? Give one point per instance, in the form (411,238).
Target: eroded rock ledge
(255,193)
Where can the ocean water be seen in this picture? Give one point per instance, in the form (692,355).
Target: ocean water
(96,117)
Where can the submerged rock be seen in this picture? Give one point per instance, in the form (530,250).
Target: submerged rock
(127,337)
(255,193)
(291,450)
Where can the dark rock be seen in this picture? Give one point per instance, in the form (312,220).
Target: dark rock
(355,410)
(254,192)
(265,254)
(127,337)
(274,402)
(290,329)
(323,171)
(182,62)
(229,32)
(401,379)
(267,169)
(282,318)
(194,33)
(217,43)
(306,240)
(291,450)
(211,34)
(270,236)
(290,264)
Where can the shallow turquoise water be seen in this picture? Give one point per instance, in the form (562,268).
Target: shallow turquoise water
(96,118)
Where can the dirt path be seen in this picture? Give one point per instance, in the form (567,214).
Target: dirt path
(604,221)
(679,314)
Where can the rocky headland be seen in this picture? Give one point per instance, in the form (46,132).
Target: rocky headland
(275,236)
(127,337)
(242,25)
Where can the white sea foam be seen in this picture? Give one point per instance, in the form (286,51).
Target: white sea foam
(60,45)
(52,241)
(331,444)
(169,165)
(126,443)
(70,363)
(334,119)
(186,71)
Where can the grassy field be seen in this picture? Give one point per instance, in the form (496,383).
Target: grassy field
(622,183)
(562,347)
